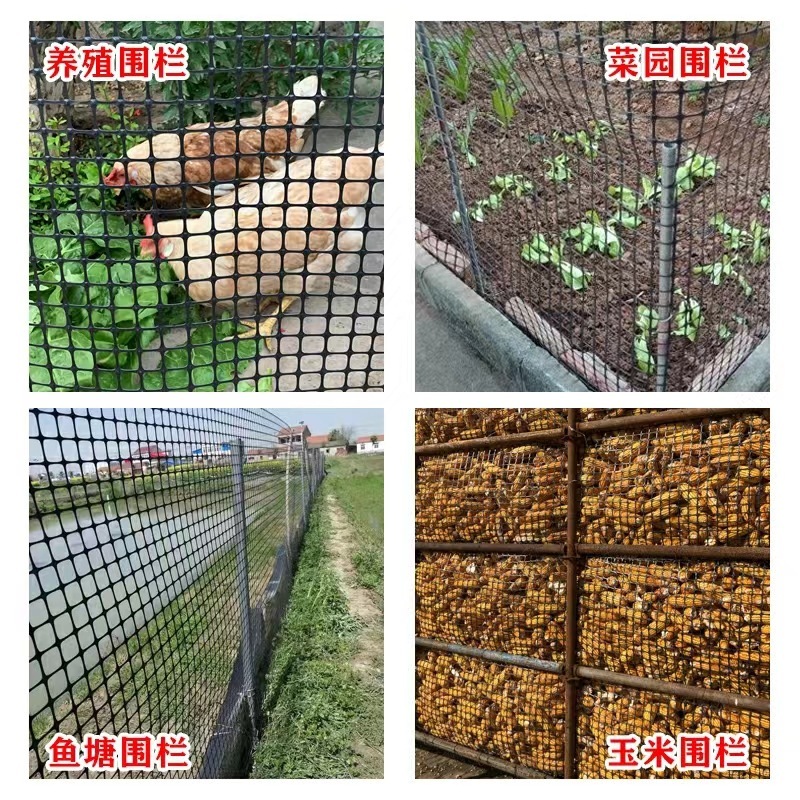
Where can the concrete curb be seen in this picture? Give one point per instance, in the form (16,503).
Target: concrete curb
(527,366)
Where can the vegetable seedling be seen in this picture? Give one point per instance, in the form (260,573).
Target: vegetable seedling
(688,318)
(764,201)
(456,57)
(504,103)
(538,251)
(557,169)
(462,138)
(592,233)
(587,141)
(646,324)
(501,68)
(695,169)
(511,184)
(722,269)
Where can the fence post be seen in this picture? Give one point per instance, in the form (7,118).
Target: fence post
(571,633)
(303,483)
(242,578)
(287,511)
(666,257)
(455,176)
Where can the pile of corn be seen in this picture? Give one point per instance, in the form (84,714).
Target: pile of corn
(703,624)
(592,414)
(679,484)
(436,425)
(507,603)
(517,495)
(514,713)
(607,709)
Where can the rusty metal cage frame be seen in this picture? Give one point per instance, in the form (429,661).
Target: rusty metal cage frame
(574,674)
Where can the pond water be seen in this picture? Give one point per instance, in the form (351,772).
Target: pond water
(101,572)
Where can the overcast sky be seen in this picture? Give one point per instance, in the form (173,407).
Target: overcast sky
(75,436)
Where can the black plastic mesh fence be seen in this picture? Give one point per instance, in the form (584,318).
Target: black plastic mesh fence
(690,615)
(161,552)
(219,233)
(565,227)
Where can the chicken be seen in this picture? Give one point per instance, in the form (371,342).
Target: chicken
(242,160)
(218,251)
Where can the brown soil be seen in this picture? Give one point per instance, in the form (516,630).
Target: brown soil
(561,70)
(368,659)
(431,764)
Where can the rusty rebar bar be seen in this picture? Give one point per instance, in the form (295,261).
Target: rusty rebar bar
(669,416)
(491,655)
(510,548)
(550,436)
(699,693)
(571,617)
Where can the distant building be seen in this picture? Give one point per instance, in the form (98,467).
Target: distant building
(326,445)
(294,435)
(255,454)
(212,454)
(146,459)
(370,444)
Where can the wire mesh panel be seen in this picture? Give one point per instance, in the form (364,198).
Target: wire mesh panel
(700,624)
(516,495)
(513,605)
(153,534)
(218,233)
(676,504)
(606,710)
(561,172)
(511,712)
(698,483)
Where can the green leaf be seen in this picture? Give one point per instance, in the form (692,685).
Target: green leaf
(641,352)
(688,319)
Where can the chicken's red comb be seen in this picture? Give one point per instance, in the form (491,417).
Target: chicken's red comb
(149,227)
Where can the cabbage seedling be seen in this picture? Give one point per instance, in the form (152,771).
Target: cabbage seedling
(539,251)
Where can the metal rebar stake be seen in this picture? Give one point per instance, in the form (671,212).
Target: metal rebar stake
(289,542)
(433,85)
(242,579)
(666,259)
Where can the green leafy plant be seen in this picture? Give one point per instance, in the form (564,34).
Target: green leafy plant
(762,119)
(755,240)
(501,68)
(455,55)
(557,169)
(585,141)
(632,203)
(696,91)
(240,66)
(764,201)
(422,143)
(504,103)
(695,168)
(724,332)
(646,325)
(514,185)
(724,268)
(462,135)
(688,318)
(592,233)
(538,251)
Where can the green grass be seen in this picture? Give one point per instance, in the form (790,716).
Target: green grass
(357,482)
(313,696)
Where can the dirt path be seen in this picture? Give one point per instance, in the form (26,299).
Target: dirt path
(368,658)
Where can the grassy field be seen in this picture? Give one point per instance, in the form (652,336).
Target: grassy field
(357,482)
(323,707)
